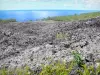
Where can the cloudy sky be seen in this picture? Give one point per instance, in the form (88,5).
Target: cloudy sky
(49,4)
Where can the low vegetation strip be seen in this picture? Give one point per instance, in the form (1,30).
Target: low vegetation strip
(74,17)
(7,20)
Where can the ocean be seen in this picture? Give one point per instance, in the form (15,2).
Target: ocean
(26,15)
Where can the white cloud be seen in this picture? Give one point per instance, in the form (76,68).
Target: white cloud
(67,5)
(28,0)
(95,4)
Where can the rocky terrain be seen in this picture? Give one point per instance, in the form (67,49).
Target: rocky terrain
(41,42)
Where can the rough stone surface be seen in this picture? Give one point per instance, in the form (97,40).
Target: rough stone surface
(36,43)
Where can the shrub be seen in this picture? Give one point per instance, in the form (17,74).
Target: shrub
(78,58)
(57,69)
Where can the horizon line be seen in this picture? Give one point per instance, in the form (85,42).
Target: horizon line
(49,10)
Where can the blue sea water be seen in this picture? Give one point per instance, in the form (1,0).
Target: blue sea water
(26,15)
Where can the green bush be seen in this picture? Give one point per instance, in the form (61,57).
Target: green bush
(57,69)
(78,58)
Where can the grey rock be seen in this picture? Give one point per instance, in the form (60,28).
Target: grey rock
(35,43)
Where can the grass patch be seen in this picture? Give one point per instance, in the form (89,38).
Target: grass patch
(7,20)
(18,71)
(57,69)
(74,17)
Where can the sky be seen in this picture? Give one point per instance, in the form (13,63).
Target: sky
(49,4)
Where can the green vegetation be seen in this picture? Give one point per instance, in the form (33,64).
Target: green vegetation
(19,71)
(78,58)
(7,20)
(74,17)
(61,36)
(57,68)
(67,68)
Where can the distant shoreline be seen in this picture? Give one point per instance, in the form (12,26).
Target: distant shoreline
(68,18)
(34,15)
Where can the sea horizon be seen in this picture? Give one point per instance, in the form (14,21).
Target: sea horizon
(26,15)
